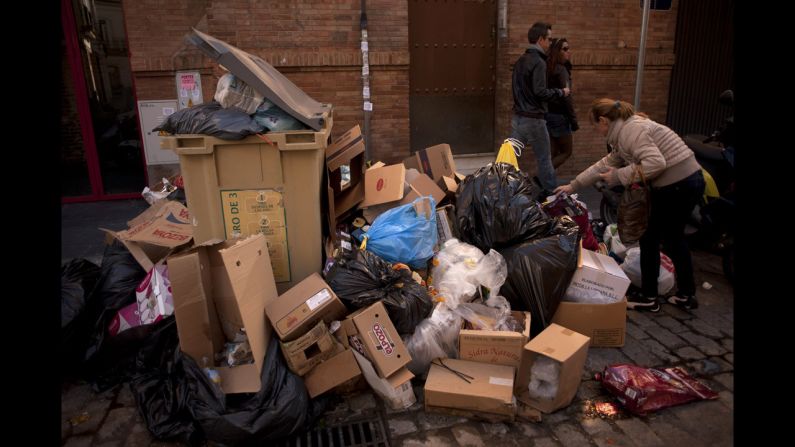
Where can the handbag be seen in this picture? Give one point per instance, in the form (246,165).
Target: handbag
(634,209)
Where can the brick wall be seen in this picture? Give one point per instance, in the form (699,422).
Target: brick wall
(316,45)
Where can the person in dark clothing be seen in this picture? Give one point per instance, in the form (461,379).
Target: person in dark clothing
(530,97)
(561,119)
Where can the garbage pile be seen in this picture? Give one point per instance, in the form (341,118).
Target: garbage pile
(465,282)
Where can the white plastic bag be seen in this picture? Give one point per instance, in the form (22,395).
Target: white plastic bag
(233,92)
(460,268)
(435,336)
(614,243)
(631,266)
(544,378)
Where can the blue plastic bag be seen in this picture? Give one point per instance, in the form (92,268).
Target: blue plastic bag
(403,235)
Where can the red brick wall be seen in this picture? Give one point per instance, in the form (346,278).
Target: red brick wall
(604,36)
(71,138)
(316,45)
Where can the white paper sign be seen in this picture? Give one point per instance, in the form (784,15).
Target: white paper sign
(365,46)
(365,70)
(368,106)
(366,92)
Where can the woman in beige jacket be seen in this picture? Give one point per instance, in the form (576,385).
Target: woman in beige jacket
(676,182)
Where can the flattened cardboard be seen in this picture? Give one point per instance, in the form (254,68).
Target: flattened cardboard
(436,161)
(495,347)
(347,150)
(310,349)
(606,324)
(489,391)
(567,347)
(301,307)
(422,186)
(247,266)
(380,340)
(156,232)
(396,390)
(384,184)
(331,373)
(597,274)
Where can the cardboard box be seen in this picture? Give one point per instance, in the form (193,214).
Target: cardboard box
(435,161)
(331,373)
(495,347)
(605,324)
(383,184)
(155,233)
(396,390)
(317,345)
(205,275)
(598,277)
(347,150)
(445,224)
(300,308)
(567,347)
(490,390)
(379,339)
(421,186)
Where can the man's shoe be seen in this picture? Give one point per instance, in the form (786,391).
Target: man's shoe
(685,301)
(642,303)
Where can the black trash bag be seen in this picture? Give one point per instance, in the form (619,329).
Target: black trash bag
(211,119)
(496,208)
(361,278)
(113,356)
(540,270)
(78,279)
(159,388)
(281,408)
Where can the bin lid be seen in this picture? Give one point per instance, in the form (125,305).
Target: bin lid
(263,78)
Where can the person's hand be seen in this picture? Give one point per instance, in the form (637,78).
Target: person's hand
(566,91)
(610,177)
(568,189)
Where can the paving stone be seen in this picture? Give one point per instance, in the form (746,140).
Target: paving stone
(363,401)
(96,410)
(118,423)
(531,430)
(78,441)
(401,426)
(603,434)
(495,429)
(671,323)
(598,358)
(75,399)
(676,312)
(467,436)
(715,320)
(660,351)
(666,337)
(638,353)
(704,344)
(138,436)
(727,399)
(589,389)
(635,331)
(555,418)
(545,442)
(709,421)
(568,434)
(640,433)
(641,319)
(728,343)
(672,434)
(729,358)
(432,421)
(690,353)
(726,380)
(703,328)
(125,396)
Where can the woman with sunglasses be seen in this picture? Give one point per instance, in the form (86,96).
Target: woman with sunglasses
(561,119)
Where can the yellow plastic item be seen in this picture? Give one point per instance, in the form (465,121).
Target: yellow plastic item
(711,189)
(507,155)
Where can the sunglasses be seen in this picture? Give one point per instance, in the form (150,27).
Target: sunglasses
(565,49)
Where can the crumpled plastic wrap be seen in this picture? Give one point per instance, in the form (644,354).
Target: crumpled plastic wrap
(233,92)
(544,378)
(435,336)
(460,268)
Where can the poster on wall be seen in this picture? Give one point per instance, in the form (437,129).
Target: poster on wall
(189,89)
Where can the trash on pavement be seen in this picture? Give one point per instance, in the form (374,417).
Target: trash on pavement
(347,150)
(498,347)
(459,269)
(435,336)
(371,331)
(566,347)
(395,390)
(332,373)
(472,386)
(362,278)
(405,234)
(644,390)
(308,350)
(302,306)
(153,302)
(665,281)
(598,280)
(567,205)
(158,192)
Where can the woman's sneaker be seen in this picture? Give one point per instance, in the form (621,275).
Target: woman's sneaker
(685,301)
(638,301)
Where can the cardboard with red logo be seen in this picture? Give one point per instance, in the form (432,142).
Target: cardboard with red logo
(348,150)
(155,233)
(383,184)
(415,185)
(239,271)
(307,351)
(332,373)
(377,337)
(302,306)
(487,388)
(496,347)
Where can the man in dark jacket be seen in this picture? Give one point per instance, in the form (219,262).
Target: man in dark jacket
(530,97)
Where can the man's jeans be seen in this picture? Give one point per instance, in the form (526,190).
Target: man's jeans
(533,132)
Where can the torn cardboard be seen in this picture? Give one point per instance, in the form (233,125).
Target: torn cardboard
(308,350)
(378,338)
(565,346)
(435,161)
(245,267)
(395,390)
(487,388)
(301,307)
(495,347)
(605,324)
(347,150)
(336,371)
(155,233)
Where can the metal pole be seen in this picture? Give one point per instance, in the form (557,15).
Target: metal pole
(641,53)
(368,106)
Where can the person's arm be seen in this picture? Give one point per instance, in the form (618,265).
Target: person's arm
(539,86)
(568,102)
(589,176)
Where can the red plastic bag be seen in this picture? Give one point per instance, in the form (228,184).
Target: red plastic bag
(563,204)
(644,390)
